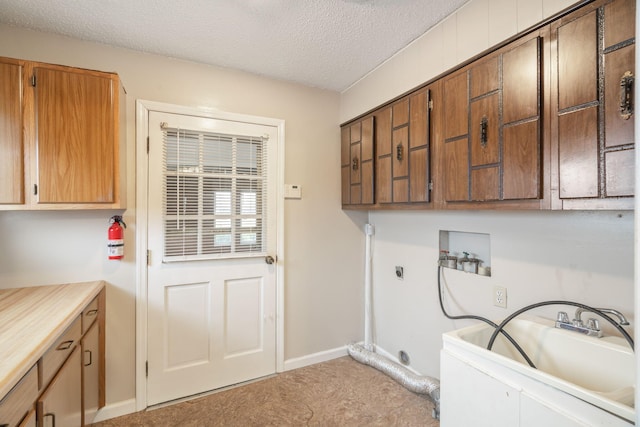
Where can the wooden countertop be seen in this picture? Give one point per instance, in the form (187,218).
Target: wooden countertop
(31,319)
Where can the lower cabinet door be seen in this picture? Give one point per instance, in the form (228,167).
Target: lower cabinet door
(29,420)
(90,374)
(61,403)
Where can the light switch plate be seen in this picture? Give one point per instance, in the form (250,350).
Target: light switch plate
(292,191)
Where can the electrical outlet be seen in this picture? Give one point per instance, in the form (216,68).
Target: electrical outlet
(500,296)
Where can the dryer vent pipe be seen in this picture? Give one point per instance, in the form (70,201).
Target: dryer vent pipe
(411,381)
(366,355)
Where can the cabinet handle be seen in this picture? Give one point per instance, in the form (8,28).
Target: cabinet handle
(90,358)
(626,95)
(483,132)
(53,418)
(354,164)
(399,152)
(91,312)
(65,345)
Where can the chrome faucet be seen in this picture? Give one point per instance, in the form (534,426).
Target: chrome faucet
(621,319)
(592,328)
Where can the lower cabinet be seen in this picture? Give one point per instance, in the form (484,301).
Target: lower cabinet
(29,420)
(61,403)
(90,374)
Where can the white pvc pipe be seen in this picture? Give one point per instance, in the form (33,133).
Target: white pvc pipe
(368,309)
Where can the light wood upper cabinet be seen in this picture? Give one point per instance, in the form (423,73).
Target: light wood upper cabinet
(593,116)
(11,137)
(71,148)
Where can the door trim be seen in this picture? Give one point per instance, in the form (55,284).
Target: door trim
(143,108)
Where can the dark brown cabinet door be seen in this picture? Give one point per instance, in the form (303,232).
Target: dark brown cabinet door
(594,113)
(493,142)
(11,140)
(357,163)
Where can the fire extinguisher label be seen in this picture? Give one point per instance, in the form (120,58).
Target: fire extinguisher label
(116,248)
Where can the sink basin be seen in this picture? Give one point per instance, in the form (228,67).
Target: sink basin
(600,371)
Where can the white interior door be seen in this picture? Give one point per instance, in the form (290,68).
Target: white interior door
(211,296)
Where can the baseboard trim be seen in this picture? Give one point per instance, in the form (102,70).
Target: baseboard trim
(312,359)
(117,409)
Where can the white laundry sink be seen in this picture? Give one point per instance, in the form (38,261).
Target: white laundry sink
(599,371)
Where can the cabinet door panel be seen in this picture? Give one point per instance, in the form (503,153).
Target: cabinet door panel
(577,62)
(75,137)
(419,185)
(90,374)
(62,400)
(383,132)
(366,139)
(578,136)
(619,129)
(356,164)
(383,180)
(485,184)
(620,166)
(521,170)
(355,133)
(456,106)
(419,123)
(457,170)
(400,152)
(484,77)
(367,183)
(484,152)
(520,82)
(345,144)
(400,190)
(346,185)
(11,141)
(401,113)
(622,14)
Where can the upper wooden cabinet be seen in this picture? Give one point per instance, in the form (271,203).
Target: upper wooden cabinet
(11,137)
(358,163)
(544,121)
(492,133)
(593,116)
(61,137)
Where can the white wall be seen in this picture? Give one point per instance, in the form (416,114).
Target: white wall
(323,255)
(581,256)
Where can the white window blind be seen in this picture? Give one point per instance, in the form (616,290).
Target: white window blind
(214,195)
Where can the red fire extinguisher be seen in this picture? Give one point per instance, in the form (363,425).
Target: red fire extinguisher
(116,237)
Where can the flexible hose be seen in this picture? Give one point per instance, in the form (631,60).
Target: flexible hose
(624,333)
(482,319)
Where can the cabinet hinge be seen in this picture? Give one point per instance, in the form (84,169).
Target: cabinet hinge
(430,185)
(147,145)
(146,368)
(148,257)
(33,80)
(35,189)
(431,104)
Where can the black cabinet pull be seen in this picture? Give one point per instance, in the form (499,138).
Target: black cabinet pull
(626,95)
(399,152)
(483,132)
(65,345)
(53,418)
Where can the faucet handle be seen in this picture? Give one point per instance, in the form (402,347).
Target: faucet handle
(563,317)
(593,324)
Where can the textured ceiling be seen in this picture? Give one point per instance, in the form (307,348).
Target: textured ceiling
(323,43)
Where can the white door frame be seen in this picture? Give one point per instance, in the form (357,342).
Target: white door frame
(142,176)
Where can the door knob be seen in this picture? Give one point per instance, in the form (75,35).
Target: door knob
(269,259)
